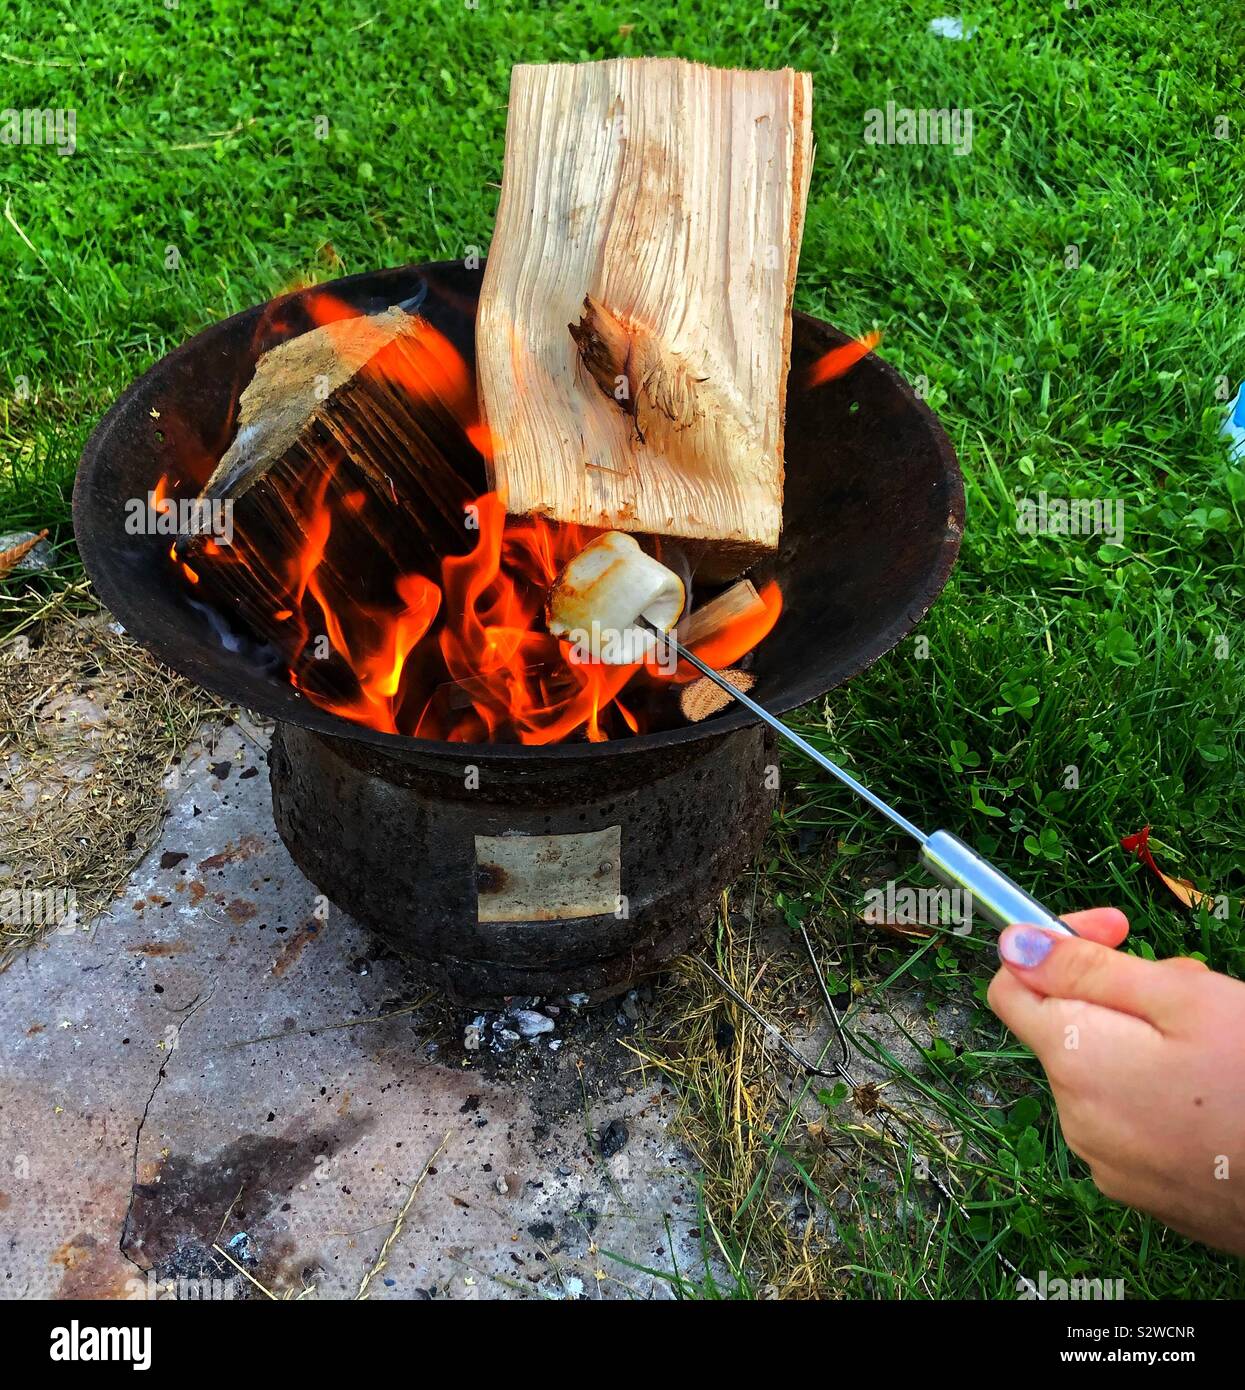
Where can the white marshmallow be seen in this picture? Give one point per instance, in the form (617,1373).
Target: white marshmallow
(597,600)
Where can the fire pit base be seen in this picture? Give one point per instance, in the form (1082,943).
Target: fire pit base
(495,878)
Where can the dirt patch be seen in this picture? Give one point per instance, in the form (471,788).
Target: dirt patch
(587,1067)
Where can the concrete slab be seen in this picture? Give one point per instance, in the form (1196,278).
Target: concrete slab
(216,1061)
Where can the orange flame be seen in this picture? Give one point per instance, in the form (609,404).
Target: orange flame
(739,637)
(841,359)
(494,644)
(463,654)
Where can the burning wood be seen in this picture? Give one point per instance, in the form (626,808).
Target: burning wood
(703,698)
(665,233)
(361,426)
(367,552)
(290,389)
(740,602)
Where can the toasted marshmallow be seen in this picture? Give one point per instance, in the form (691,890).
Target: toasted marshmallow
(598,599)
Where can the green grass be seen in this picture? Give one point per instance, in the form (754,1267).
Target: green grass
(1093,127)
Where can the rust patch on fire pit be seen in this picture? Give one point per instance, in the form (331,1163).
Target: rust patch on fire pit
(490,879)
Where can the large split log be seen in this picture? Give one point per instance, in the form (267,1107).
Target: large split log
(634,326)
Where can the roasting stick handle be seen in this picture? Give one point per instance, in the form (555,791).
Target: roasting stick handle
(944,855)
(999,900)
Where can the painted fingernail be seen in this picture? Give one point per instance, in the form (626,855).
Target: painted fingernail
(1025,946)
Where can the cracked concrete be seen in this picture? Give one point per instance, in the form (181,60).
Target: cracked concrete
(218,1060)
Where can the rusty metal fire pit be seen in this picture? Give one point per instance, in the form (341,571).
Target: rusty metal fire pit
(502,869)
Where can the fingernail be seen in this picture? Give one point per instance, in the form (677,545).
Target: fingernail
(1025,946)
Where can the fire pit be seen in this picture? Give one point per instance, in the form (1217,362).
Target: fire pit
(502,868)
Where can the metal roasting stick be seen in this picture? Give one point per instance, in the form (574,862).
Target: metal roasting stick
(944,855)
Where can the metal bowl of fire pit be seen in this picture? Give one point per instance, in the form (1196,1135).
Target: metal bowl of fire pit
(505,868)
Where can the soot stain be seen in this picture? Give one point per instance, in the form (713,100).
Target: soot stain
(190,1197)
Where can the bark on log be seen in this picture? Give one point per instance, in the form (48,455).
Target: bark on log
(353,441)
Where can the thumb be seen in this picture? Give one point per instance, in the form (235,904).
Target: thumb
(1067,968)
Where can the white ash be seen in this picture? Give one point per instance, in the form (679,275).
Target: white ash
(530,1023)
(500,1030)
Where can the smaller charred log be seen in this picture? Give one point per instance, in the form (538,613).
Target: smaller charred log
(374,483)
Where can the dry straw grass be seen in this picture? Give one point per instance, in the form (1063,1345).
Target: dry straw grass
(775,1165)
(89,727)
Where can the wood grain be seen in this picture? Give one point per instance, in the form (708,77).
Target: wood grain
(634,326)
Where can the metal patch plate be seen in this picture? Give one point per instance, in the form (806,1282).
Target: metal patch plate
(541,878)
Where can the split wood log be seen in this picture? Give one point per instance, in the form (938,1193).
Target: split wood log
(634,327)
(352,457)
(739,601)
(292,382)
(704,697)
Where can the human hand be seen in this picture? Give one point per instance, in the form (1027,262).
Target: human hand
(1146,1060)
